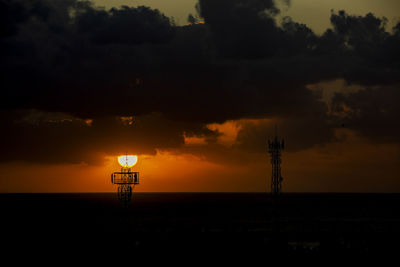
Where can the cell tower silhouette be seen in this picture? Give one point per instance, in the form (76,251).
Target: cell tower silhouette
(275,148)
(126,179)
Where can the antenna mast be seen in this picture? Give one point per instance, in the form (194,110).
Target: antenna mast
(126,180)
(275,148)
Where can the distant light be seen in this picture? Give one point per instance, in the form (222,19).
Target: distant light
(127,161)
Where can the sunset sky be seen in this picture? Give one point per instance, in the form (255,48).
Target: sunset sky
(197,103)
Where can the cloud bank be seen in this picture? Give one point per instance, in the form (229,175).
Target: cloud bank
(83,82)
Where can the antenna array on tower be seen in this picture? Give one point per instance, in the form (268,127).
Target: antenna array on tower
(275,148)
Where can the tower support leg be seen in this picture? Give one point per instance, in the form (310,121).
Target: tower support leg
(125,193)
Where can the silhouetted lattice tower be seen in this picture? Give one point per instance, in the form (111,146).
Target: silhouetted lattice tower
(126,179)
(275,148)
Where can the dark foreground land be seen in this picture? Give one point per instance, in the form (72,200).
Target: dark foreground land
(315,224)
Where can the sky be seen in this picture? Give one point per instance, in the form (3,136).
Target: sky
(314,13)
(197,103)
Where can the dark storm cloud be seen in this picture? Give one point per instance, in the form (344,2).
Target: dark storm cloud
(373,112)
(242,29)
(299,132)
(71,58)
(124,26)
(37,136)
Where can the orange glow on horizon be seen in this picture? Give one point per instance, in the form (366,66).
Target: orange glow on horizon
(194,140)
(197,22)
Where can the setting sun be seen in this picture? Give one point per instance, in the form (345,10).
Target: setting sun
(127,161)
